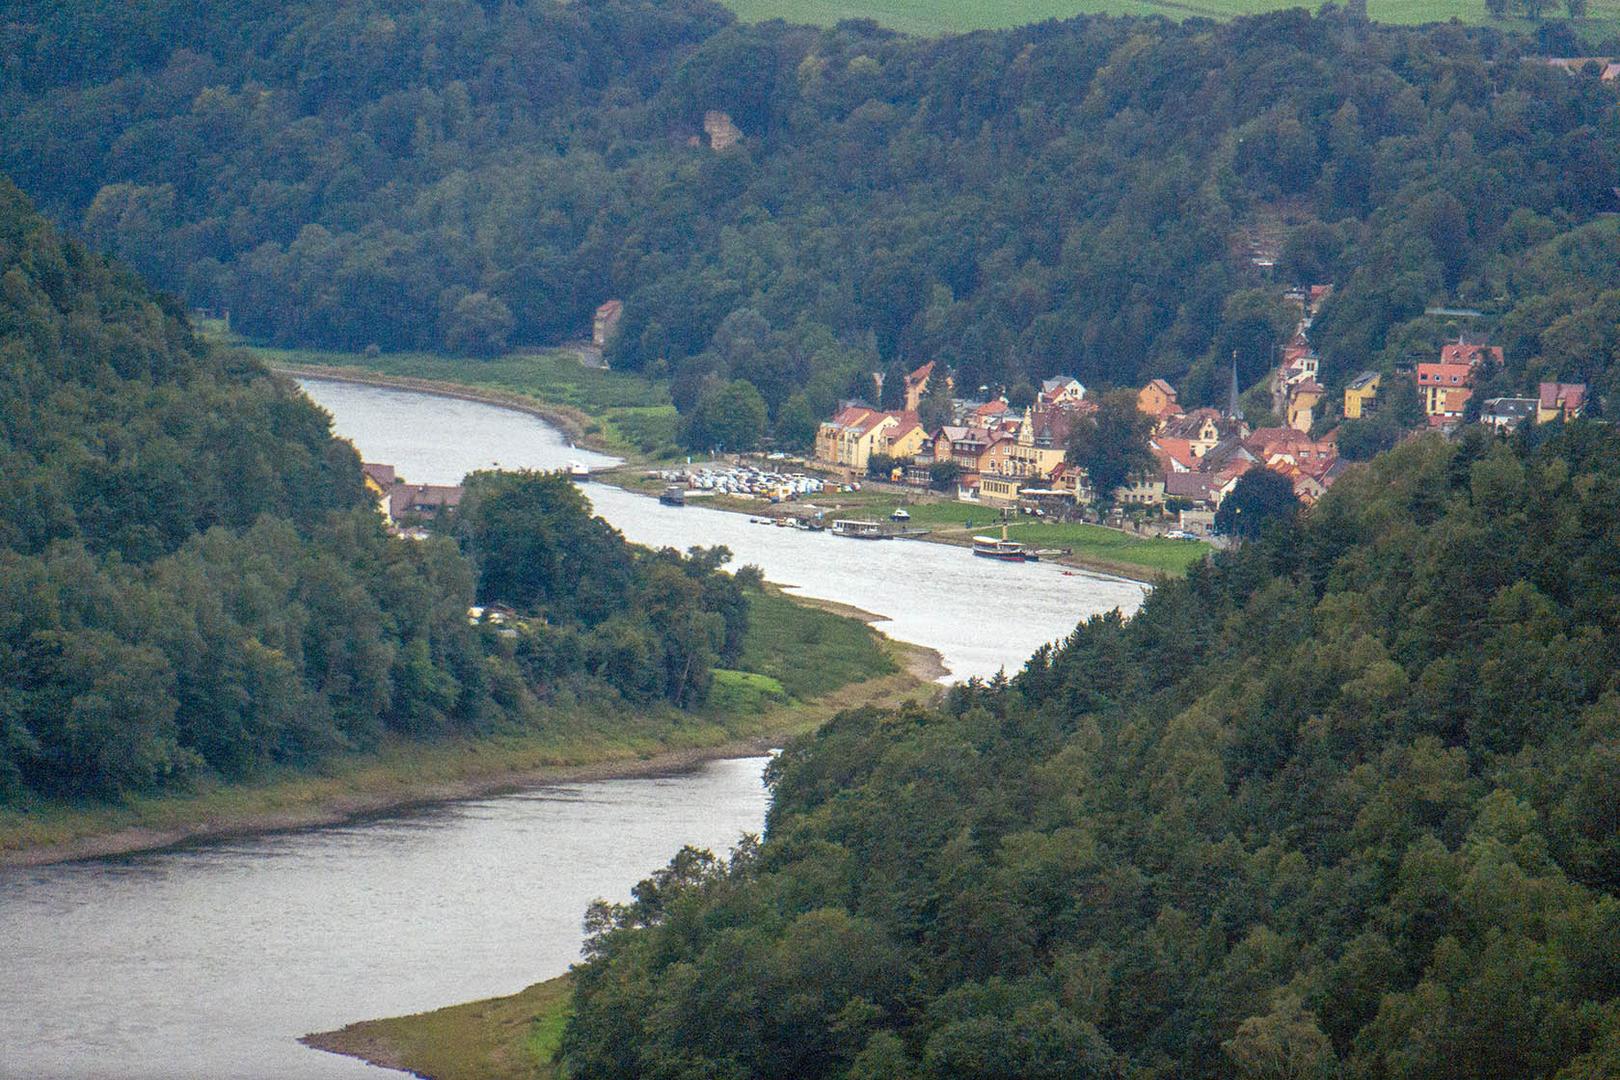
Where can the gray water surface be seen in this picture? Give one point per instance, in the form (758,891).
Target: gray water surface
(211,961)
(981,615)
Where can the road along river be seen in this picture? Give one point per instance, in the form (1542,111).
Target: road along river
(210,961)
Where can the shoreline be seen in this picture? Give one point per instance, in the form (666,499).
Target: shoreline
(573,423)
(360,805)
(406,777)
(570,421)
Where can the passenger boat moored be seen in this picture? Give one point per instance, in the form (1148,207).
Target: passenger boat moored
(1006,550)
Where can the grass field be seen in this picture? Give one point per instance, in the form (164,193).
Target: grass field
(952,16)
(509,1038)
(1091,543)
(622,413)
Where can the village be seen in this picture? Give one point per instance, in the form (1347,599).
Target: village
(986,461)
(1016,459)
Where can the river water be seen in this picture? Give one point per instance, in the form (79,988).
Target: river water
(210,961)
(981,615)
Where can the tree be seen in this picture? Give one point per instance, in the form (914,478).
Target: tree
(934,410)
(479,325)
(795,424)
(1112,443)
(893,397)
(730,417)
(1259,498)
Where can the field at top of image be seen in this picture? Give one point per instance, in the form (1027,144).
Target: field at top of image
(947,16)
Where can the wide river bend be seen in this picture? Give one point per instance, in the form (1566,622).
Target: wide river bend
(210,961)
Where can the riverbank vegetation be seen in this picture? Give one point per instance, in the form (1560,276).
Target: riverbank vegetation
(1343,799)
(201,598)
(1595,22)
(507,1038)
(618,412)
(1112,198)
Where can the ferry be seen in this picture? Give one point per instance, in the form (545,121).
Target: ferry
(991,547)
(859,530)
(674,495)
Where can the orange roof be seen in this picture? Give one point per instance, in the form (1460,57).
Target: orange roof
(1178,450)
(1472,355)
(1444,374)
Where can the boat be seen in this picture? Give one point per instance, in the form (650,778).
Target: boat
(902,514)
(859,530)
(991,547)
(674,495)
(578,471)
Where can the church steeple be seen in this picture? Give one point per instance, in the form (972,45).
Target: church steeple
(1234,410)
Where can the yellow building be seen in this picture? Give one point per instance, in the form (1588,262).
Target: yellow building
(1361,395)
(999,488)
(849,439)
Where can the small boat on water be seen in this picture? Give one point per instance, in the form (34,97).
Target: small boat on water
(674,495)
(578,471)
(991,547)
(859,530)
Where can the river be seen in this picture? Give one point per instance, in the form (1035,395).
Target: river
(980,615)
(210,961)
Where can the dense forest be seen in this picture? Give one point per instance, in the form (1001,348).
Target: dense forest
(196,583)
(1343,803)
(1094,196)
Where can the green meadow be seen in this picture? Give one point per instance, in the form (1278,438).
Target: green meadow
(956,16)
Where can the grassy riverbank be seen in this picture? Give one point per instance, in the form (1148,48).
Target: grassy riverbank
(507,1038)
(1091,547)
(630,416)
(612,411)
(802,663)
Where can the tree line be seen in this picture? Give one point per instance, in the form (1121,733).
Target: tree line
(197,585)
(1114,198)
(1341,804)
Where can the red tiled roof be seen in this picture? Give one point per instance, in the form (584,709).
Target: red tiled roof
(1567,396)
(1444,374)
(1473,355)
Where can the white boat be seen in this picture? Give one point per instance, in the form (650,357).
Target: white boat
(902,514)
(859,530)
(578,470)
(992,547)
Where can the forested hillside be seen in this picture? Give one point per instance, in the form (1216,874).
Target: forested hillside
(195,583)
(1341,804)
(1086,196)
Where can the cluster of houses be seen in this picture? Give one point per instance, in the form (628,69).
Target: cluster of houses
(1446,386)
(406,506)
(1011,456)
(998,451)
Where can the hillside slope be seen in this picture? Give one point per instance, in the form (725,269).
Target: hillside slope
(1341,804)
(1088,196)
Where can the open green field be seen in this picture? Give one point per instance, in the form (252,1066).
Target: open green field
(620,412)
(956,16)
(1092,544)
(1170,557)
